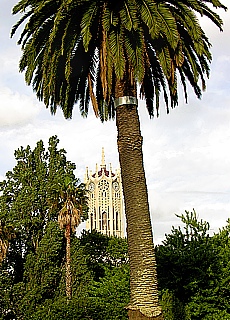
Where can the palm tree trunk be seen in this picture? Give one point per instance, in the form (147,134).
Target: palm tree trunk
(68,263)
(3,249)
(144,303)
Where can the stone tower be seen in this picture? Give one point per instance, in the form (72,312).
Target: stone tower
(105,200)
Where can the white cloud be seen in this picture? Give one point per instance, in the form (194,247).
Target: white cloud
(83,139)
(16,109)
(9,62)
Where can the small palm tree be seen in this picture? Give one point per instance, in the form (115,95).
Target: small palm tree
(69,218)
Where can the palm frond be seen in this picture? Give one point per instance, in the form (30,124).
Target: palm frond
(117,50)
(74,51)
(148,15)
(86,22)
(92,96)
(69,215)
(129,15)
(167,24)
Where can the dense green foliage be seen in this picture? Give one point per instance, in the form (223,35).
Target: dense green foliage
(194,271)
(31,196)
(193,267)
(100,281)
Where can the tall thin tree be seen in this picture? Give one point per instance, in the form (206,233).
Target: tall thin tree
(69,218)
(74,51)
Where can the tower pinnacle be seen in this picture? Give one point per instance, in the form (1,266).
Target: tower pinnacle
(103,166)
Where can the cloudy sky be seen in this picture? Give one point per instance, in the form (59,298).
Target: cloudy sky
(186,153)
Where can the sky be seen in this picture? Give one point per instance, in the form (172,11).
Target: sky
(186,153)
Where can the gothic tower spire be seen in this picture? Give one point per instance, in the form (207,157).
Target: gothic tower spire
(105,200)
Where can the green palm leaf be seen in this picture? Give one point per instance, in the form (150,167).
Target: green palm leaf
(117,51)
(86,21)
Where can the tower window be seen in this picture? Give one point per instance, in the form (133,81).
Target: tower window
(104,220)
(91,221)
(117,228)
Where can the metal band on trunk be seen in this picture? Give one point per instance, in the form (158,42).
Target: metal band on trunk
(125,100)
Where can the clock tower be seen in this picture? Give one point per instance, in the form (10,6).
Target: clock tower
(105,200)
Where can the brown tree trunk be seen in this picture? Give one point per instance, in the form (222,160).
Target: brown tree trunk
(144,303)
(136,315)
(68,263)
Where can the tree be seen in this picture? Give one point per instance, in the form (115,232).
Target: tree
(42,271)
(108,292)
(42,293)
(212,301)
(193,271)
(69,217)
(74,51)
(30,198)
(189,255)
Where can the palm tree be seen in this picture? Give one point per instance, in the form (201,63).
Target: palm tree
(69,218)
(103,51)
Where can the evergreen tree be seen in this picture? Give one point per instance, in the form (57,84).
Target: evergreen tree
(212,301)
(194,272)
(30,198)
